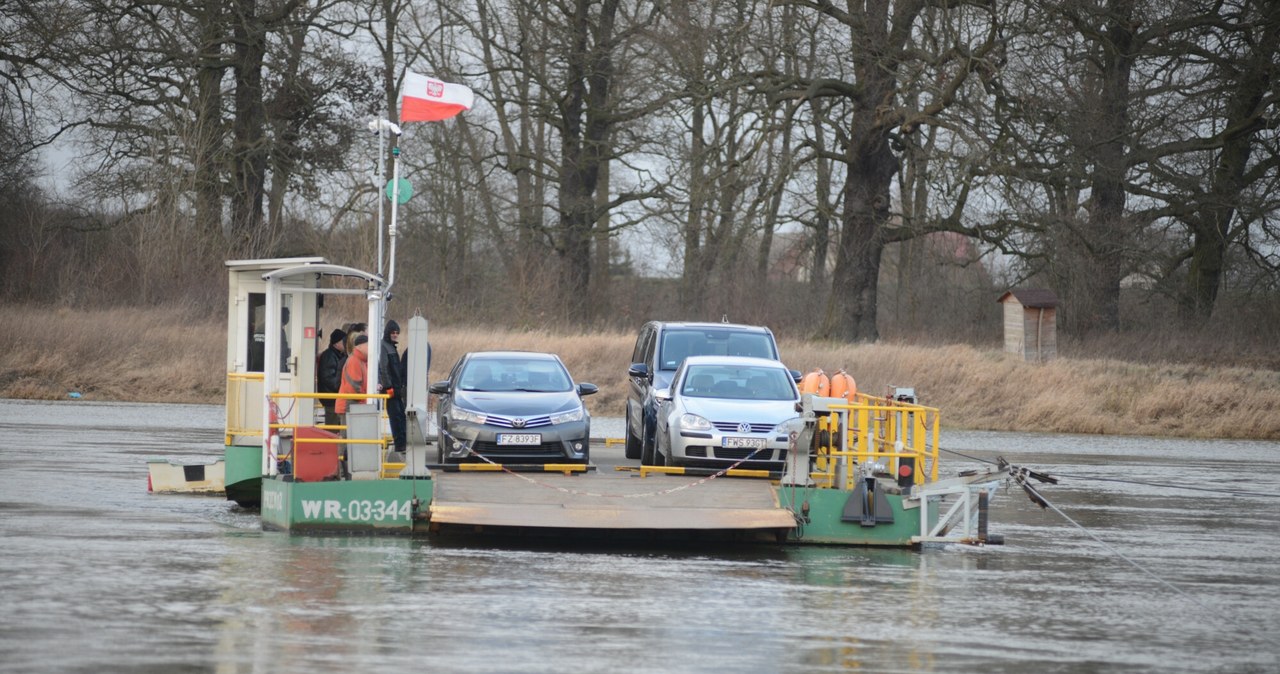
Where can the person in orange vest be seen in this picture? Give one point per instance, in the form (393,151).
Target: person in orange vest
(354,374)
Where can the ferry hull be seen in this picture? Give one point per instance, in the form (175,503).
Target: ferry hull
(350,506)
(826,525)
(169,476)
(407,506)
(244,474)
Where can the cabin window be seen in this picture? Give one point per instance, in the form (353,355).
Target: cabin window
(257,331)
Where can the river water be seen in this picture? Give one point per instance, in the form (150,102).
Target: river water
(99,575)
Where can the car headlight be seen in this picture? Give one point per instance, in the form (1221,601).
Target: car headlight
(462,414)
(693,422)
(566,417)
(784,426)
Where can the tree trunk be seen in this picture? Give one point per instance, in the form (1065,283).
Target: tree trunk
(1108,228)
(583,148)
(822,192)
(851,309)
(602,256)
(249,152)
(1211,228)
(209,132)
(693,281)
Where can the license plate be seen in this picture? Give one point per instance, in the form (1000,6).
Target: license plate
(519,439)
(743,443)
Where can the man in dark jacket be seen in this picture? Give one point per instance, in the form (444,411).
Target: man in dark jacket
(391,379)
(329,373)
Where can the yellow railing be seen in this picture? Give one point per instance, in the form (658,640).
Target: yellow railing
(871,429)
(237,417)
(246,421)
(341,441)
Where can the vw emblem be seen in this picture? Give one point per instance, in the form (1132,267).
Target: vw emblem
(517,423)
(744,427)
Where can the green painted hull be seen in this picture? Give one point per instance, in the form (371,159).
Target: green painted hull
(349,506)
(396,506)
(825,527)
(244,474)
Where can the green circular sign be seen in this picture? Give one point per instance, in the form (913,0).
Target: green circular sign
(406,190)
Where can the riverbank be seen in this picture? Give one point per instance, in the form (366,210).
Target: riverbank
(168,355)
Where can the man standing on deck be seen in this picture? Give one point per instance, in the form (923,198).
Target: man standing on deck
(391,380)
(329,373)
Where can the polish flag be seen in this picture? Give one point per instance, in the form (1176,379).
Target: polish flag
(426,99)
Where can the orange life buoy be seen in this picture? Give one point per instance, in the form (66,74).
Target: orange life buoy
(843,386)
(816,382)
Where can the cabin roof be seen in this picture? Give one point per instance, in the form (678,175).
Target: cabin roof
(273,263)
(1032,298)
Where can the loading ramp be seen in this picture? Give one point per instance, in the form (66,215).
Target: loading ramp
(556,501)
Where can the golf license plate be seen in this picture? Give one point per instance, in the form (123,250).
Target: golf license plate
(519,439)
(743,443)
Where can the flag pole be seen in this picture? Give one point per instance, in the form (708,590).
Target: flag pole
(377,189)
(395,205)
(382,127)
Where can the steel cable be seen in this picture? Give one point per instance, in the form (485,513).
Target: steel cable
(1225,492)
(1040,499)
(578,492)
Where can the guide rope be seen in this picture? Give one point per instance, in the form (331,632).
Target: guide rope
(579,492)
(1020,476)
(1225,492)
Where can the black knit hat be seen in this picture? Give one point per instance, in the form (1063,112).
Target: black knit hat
(392,326)
(362,339)
(336,336)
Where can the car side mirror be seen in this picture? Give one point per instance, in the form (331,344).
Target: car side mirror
(662,395)
(586,389)
(796,376)
(638,370)
(439,388)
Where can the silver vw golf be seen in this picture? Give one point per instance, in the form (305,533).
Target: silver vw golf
(723,409)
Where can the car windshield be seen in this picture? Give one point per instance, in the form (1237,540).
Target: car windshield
(514,374)
(750,382)
(680,343)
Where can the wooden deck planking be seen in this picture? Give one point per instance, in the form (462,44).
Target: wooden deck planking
(606,502)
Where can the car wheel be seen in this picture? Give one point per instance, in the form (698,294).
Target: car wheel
(633,443)
(440,450)
(646,450)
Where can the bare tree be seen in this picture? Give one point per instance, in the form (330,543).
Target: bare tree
(882,39)
(1244,102)
(1122,131)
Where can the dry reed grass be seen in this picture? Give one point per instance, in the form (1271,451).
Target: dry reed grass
(152,354)
(171,355)
(156,354)
(990,390)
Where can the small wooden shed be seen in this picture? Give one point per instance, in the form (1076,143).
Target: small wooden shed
(1030,323)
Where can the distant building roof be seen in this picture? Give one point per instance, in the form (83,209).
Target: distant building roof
(1033,298)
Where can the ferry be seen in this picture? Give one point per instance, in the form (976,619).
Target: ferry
(861,470)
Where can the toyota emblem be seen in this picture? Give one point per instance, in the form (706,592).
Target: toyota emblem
(517,423)
(744,427)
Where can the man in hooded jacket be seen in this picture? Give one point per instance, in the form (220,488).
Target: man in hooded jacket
(329,373)
(391,380)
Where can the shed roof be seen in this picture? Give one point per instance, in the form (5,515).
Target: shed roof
(1033,298)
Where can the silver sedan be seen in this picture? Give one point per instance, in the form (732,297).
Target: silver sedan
(721,410)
